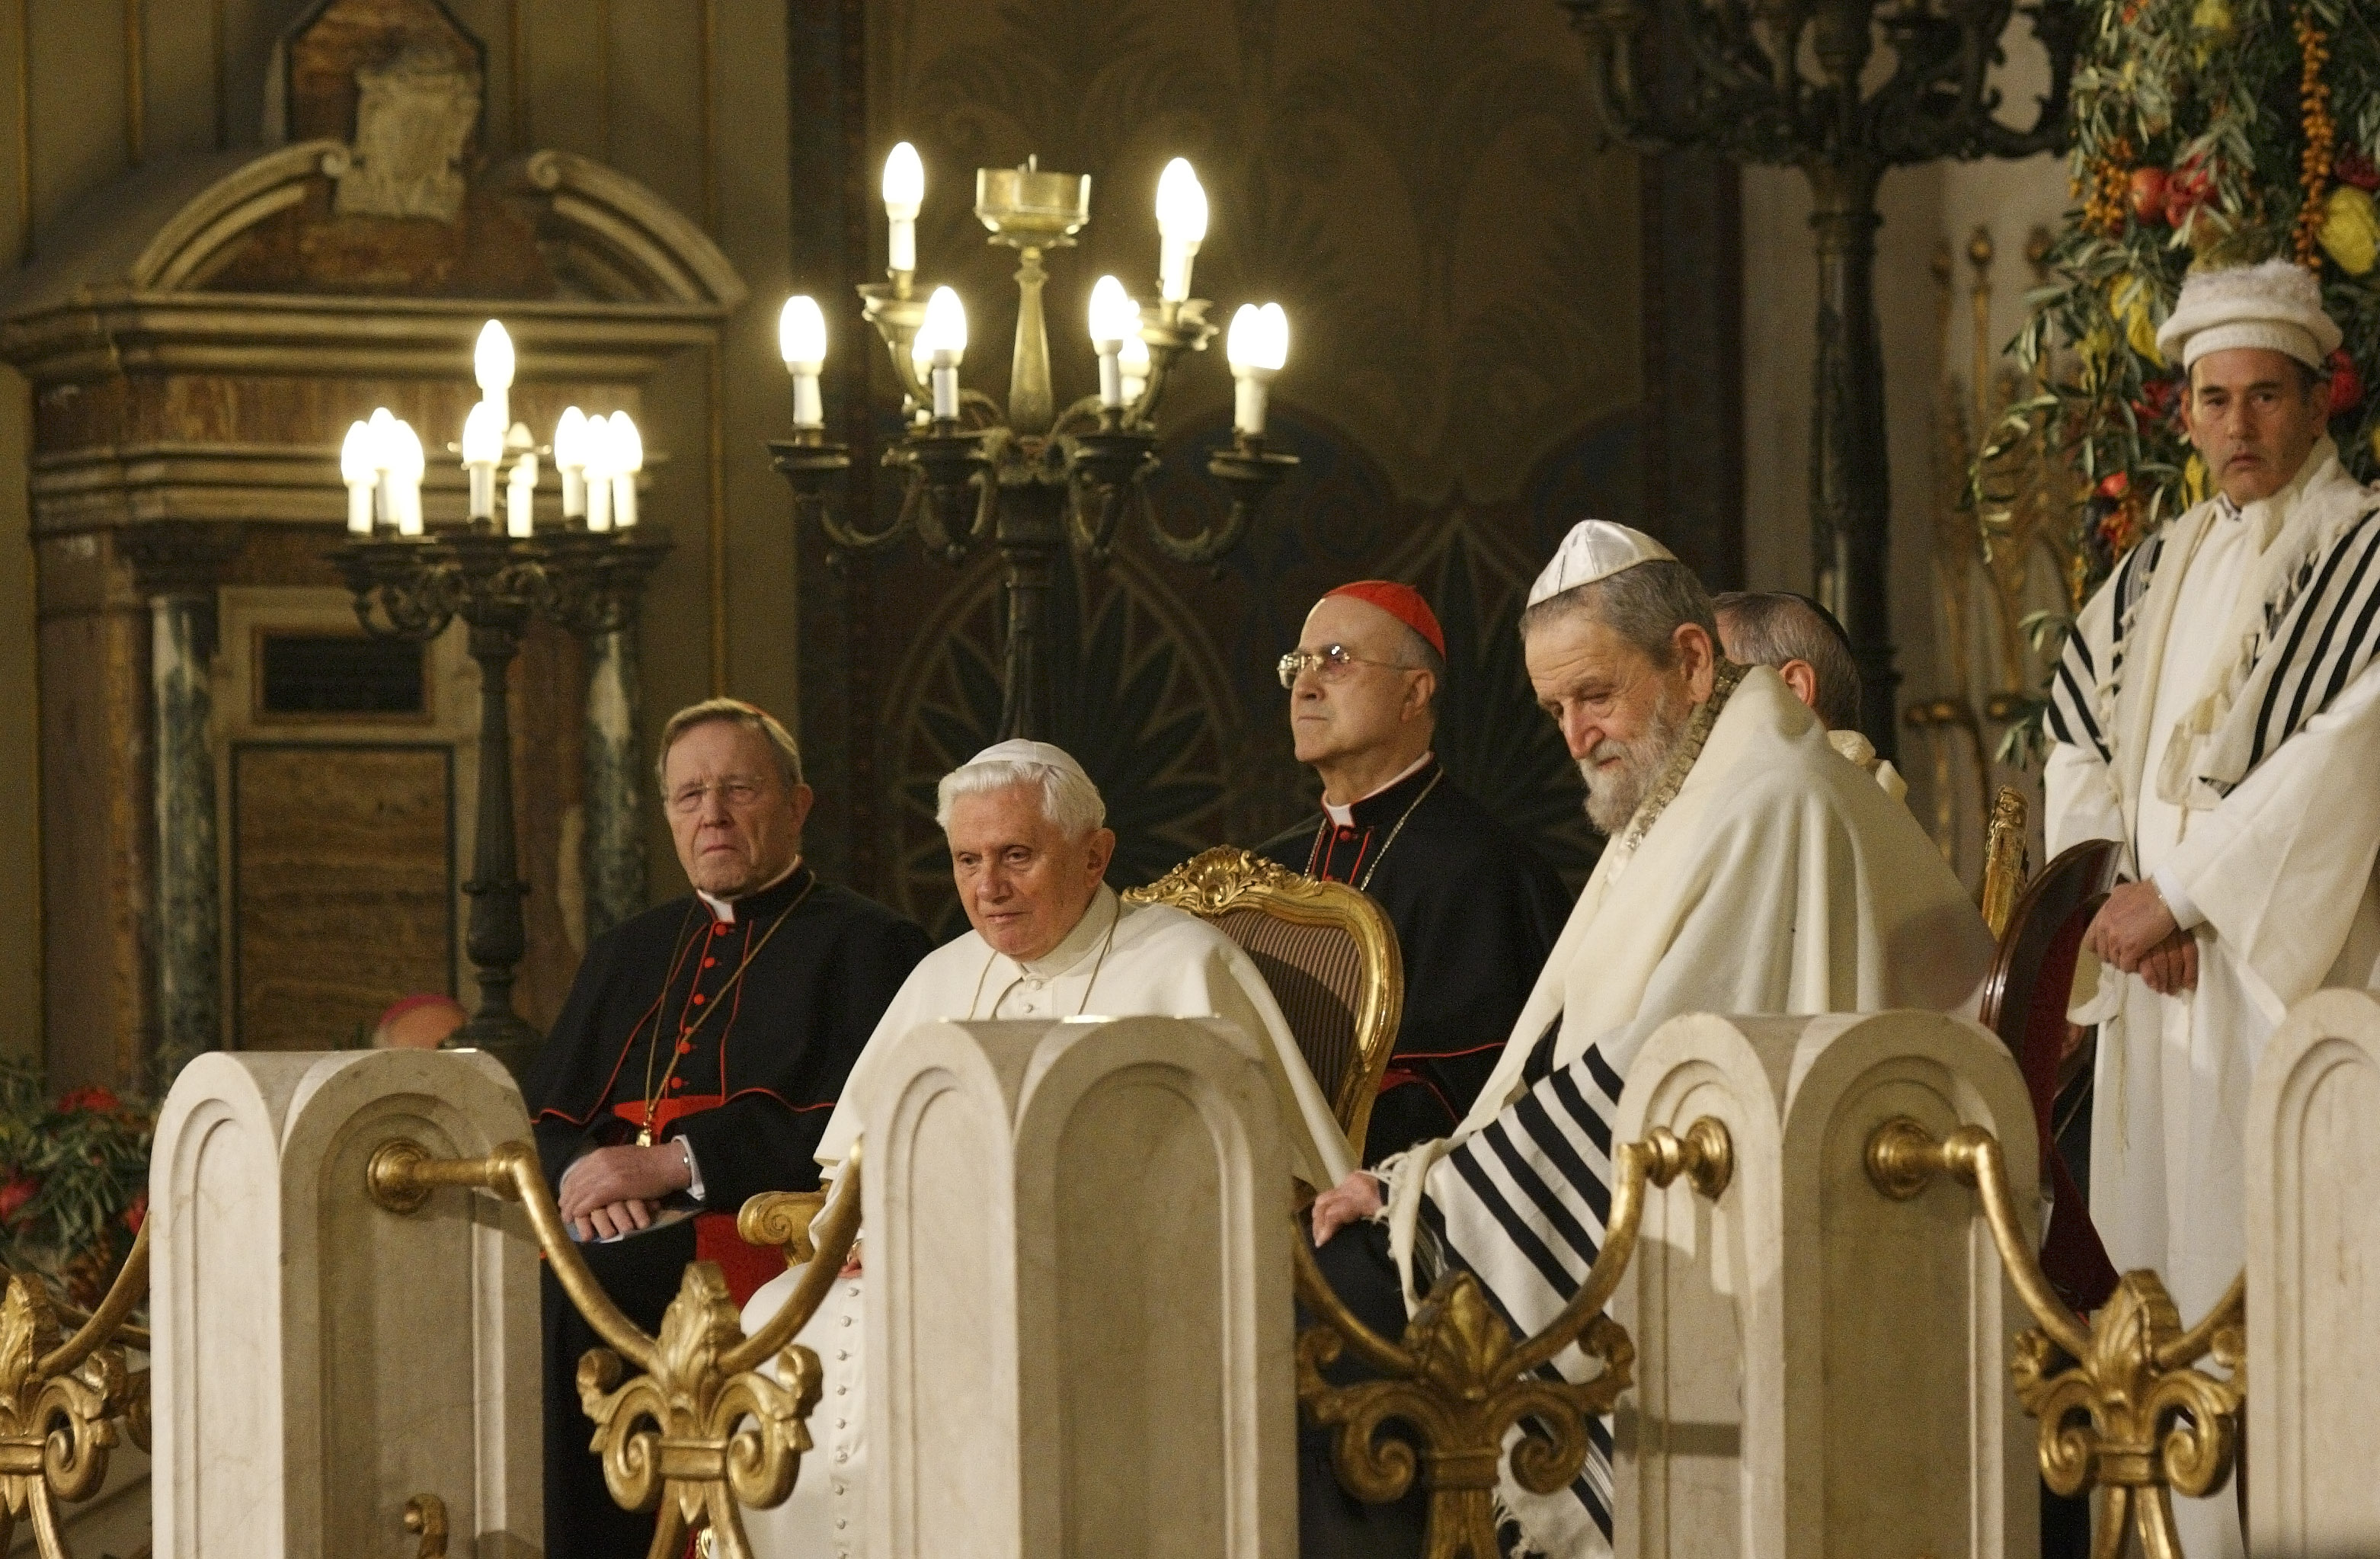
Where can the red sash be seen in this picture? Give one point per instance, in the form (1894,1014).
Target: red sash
(746,1267)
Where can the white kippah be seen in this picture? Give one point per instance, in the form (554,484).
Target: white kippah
(1016,749)
(2277,306)
(1595,549)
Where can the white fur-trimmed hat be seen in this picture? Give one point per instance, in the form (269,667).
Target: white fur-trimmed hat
(1595,549)
(2277,306)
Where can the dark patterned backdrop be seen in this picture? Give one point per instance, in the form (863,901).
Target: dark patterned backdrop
(1495,329)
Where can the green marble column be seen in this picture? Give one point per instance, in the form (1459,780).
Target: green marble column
(617,780)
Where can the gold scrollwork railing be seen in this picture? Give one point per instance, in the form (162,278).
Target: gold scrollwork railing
(670,1437)
(1459,1379)
(60,1400)
(2120,1406)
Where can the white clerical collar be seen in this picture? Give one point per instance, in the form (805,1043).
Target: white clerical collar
(1089,933)
(724,909)
(1345,817)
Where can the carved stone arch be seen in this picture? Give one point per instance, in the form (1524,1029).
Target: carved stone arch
(205,233)
(614,238)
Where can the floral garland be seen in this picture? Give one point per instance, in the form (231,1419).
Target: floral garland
(74,1180)
(2213,132)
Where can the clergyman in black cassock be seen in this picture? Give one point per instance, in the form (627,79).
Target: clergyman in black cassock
(1475,909)
(712,1036)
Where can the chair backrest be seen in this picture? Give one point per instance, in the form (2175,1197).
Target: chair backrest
(2004,860)
(2026,1001)
(1327,952)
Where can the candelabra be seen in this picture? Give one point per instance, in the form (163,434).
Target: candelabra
(1034,480)
(411,583)
(1765,81)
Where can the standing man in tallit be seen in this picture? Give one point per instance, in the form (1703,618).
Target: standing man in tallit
(2217,714)
(1751,870)
(1029,852)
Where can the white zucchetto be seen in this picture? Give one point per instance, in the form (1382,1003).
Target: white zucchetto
(2277,306)
(1595,549)
(1016,749)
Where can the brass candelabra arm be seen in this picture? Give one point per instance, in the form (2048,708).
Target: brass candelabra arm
(2119,1403)
(60,1400)
(1169,330)
(1249,472)
(404,586)
(953,491)
(1105,474)
(897,313)
(1459,1380)
(594,580)
(701,1433)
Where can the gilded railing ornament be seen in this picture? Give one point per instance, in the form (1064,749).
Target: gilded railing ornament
(60,1399)
(1462,1382)
(700,1432)
(2120,1406)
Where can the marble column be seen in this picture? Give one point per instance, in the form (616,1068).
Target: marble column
(1078,1295)
(177,565)
(617,780)
(1820,1369)
(319,1360)
(2313,1282)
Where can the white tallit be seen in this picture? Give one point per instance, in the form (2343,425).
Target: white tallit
(1777,878)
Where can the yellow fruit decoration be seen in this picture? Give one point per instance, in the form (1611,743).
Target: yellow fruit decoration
(2128,299)
(2350,230)
(2194,481)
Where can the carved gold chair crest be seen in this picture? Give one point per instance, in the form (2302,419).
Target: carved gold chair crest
(1328,953)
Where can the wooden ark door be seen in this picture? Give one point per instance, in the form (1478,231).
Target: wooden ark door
(345,847)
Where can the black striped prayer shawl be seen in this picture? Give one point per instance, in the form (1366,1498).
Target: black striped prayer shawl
(2319,632)
(1536,1184)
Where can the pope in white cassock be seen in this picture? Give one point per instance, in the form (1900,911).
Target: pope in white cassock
(2217,714)
(1751,869)
(1050,940)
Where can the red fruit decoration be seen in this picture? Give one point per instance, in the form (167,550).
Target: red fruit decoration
(2114,485)
(2148,194)
(100,1101)
(2191,187)
(138,1213)
(16,1194)
(2159,397)
(2357,168)
(2346,383)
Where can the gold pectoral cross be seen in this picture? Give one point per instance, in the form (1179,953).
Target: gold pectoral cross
(645,1137)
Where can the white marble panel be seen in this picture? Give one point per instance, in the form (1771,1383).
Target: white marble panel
(1820,1369)
(2313,1282)
(320,1360)
(1079,1269)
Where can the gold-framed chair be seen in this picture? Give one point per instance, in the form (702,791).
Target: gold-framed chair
(2004,858)
(1328,953)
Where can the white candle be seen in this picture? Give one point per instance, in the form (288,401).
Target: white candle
(520,498)
(356,468)
(483,447)
(905,192)
(1181,227)
(1113,317)
(801,341)
(1132,363)
(491,365)
(1258,346)
(628,457)
(597,450)
(570,444)
(382,428)
(941,346)
(405,468)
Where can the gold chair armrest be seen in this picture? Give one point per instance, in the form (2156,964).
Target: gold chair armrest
(782,1219)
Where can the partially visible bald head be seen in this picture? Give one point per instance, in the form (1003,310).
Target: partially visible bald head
(1803,641)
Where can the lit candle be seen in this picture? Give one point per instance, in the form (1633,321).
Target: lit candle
(520,498)
(1181,227)
(405,467)
(484,446)
(801,340)
(1132,363)
(570,458)
(382,428)
(1113,317)
(1258,346)
(941,343)
(905,192)
(595,450)
(356,468)
(628,457)
(491,365)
